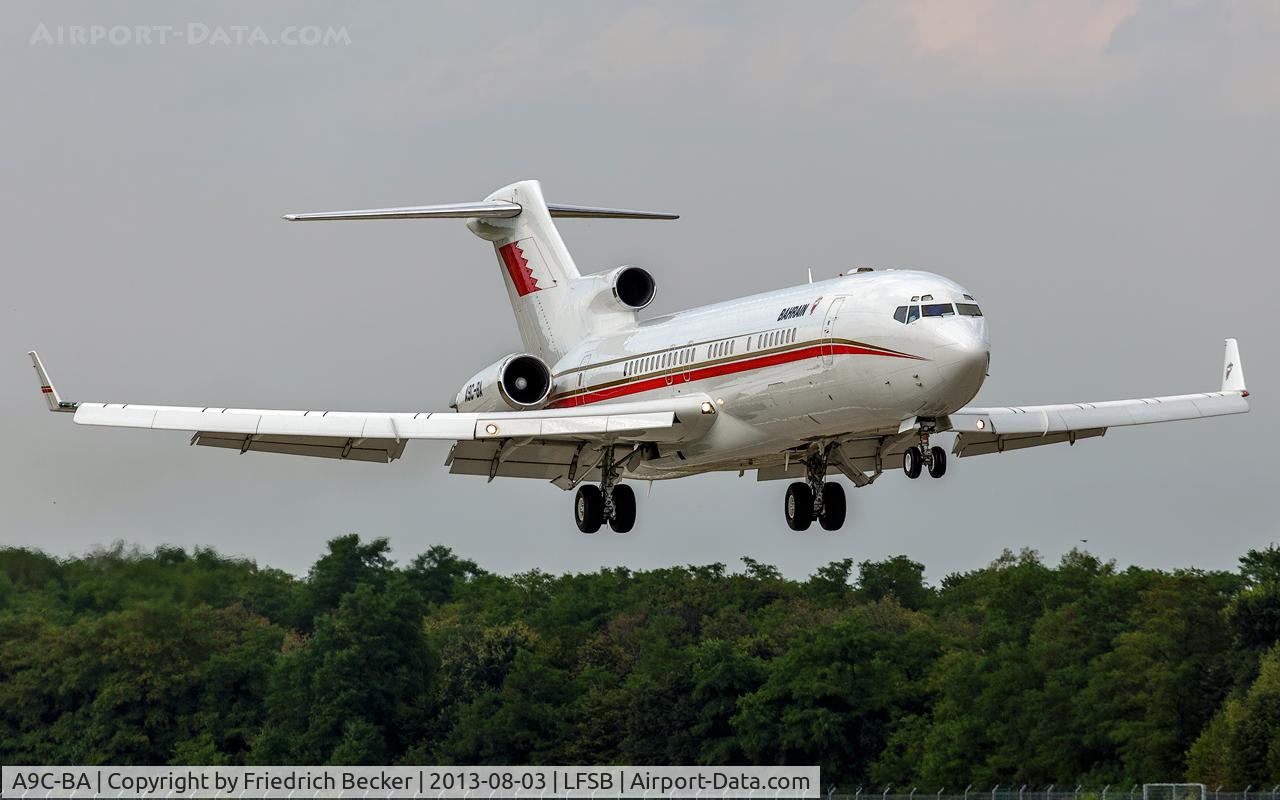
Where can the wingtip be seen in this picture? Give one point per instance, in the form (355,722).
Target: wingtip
(1233,368)
(289,217)
(46,386)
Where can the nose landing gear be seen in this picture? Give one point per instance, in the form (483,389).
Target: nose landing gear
(916,457)
(815,498)
(610,501)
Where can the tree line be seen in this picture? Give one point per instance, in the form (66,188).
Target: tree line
(1019,672)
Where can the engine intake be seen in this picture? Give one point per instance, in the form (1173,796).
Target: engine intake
(525,380)
(517,382)
(634,287)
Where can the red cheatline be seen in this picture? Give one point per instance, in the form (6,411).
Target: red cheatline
(701,373)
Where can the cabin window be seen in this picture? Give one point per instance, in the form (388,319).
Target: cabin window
(938,310)
(968,309)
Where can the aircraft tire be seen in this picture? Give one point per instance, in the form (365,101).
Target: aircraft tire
(939,466)
(588,508)
(912,461)
(624,509)
(833,507)
(798,506)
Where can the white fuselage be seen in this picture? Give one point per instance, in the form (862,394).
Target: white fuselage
(786,367)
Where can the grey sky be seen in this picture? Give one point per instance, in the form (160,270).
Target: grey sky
(1102,176)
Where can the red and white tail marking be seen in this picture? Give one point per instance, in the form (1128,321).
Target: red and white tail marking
(525,266)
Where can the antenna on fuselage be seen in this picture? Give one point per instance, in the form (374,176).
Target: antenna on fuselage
(810,274)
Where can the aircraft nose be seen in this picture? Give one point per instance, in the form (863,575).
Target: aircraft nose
(963,357)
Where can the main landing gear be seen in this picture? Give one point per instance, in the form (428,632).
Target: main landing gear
(815,498)
(610,501)
(923,456)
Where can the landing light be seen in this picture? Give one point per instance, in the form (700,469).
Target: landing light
(707,408)
(980,424)
(491,429)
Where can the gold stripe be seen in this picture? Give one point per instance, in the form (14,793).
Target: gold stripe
(702,364)
(665,350)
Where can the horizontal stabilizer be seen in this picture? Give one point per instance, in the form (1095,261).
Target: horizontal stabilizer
(592,212)
(447,211)
(487,209)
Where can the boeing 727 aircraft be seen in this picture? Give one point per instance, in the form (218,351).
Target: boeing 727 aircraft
(846,375)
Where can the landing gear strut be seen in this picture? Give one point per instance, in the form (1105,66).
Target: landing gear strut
(610,501)
(916,457)
(815,498)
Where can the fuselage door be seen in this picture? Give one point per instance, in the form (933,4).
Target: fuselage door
(827,346)
(581,399)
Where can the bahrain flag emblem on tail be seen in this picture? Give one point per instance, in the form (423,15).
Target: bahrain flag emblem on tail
(524,264)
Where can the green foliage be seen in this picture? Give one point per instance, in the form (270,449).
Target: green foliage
(1015,673)
(898,577)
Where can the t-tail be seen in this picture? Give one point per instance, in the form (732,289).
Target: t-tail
(555,306)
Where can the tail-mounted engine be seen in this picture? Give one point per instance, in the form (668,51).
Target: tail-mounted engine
(633,288)
(518,382)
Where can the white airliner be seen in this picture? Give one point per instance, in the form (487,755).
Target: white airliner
(847,374)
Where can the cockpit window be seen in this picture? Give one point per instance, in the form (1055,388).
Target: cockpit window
(913,314)
(938,310)
(900,313)
(969,309)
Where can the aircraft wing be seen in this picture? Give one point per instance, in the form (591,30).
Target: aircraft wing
(995,430)
(381,436)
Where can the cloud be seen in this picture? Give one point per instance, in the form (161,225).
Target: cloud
(1013,44)
(840,60)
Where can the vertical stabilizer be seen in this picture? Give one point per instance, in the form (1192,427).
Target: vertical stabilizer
(552,304)
(536,268)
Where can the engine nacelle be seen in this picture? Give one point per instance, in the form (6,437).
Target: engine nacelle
(518,382)
(633,287)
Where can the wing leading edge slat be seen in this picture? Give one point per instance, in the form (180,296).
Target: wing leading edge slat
(381,436)
(995,430)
